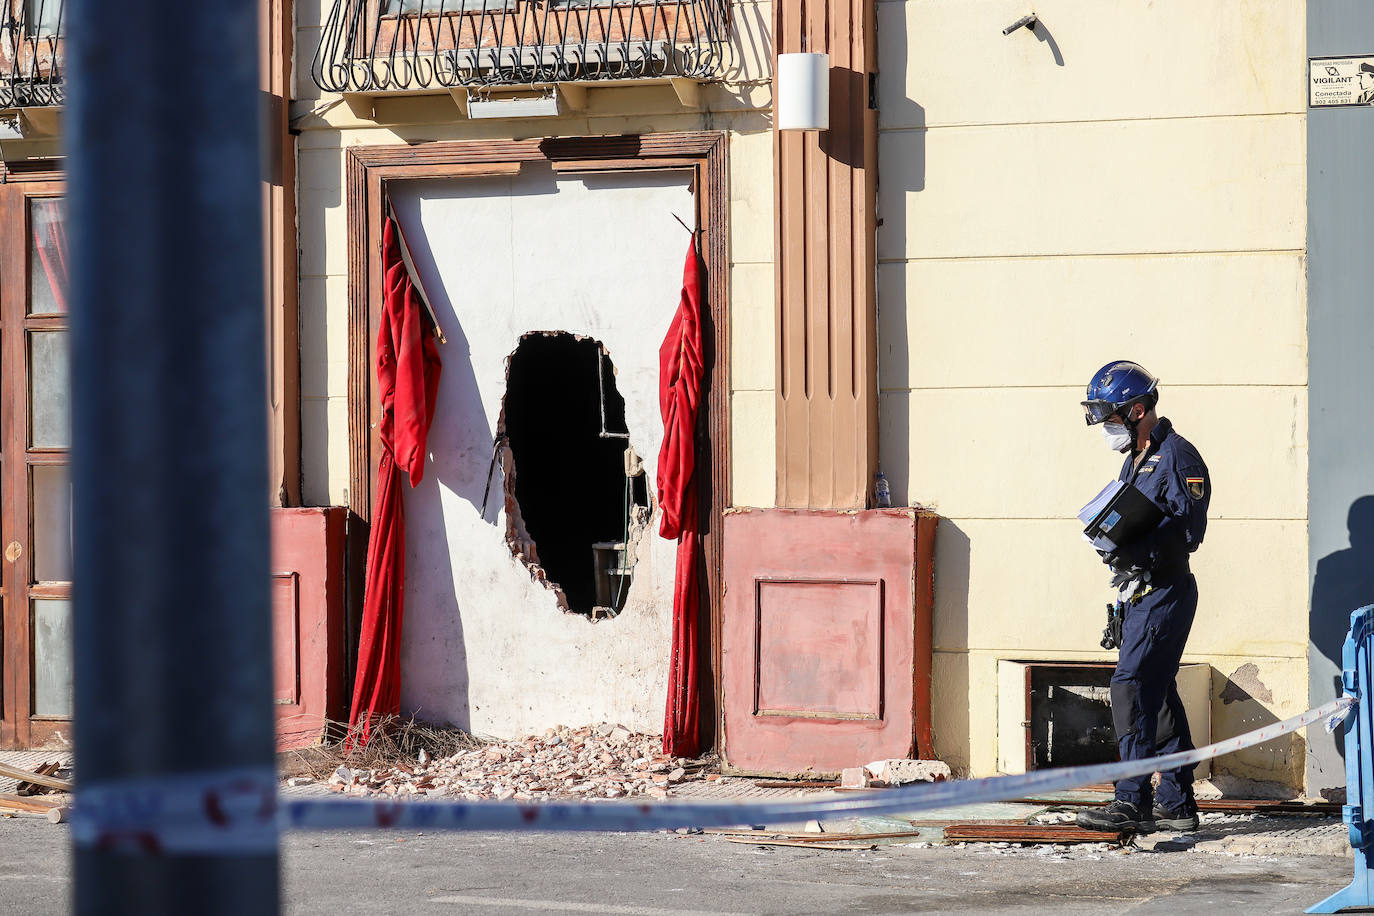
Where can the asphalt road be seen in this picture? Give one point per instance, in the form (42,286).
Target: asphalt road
(672,875)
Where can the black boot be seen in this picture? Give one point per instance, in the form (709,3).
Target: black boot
(1119,815)
(1184,819)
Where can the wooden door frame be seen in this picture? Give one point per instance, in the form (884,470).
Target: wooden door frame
(20,183)
(368,167)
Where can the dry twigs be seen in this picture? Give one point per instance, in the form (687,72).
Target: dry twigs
(394,741)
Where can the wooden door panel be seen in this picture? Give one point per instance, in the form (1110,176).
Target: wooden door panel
(35,494)
(13,631)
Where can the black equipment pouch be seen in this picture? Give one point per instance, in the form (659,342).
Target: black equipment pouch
(1116,616)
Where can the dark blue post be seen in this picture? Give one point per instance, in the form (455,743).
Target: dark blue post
(173,658)
(1357,676)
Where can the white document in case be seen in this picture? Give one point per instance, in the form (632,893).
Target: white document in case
(1094,508)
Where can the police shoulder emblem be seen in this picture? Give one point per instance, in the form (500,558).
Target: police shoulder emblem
(1196,488)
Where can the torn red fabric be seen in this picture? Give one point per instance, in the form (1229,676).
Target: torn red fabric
(408,369)
(679,395)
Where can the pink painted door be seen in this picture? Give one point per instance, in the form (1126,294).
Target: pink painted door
(826,638)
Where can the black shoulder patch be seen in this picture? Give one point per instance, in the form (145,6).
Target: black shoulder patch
(1197,487)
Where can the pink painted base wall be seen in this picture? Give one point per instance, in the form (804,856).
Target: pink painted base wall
(826,642)
(307,588)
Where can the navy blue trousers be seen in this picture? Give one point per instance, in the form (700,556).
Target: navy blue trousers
(1146,709)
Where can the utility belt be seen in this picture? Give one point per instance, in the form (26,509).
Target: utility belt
(1160,575)
(1168,570)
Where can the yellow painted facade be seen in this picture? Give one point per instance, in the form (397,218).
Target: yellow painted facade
(1125,186)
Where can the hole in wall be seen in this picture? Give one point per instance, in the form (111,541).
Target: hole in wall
(577,497)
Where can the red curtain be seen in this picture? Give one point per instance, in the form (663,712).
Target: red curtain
(51,246)
(408,380)
(679,394)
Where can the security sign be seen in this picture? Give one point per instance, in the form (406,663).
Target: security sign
(1340,81)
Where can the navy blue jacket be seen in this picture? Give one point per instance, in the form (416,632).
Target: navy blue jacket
(1175,478)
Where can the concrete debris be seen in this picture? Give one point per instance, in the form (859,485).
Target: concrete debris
(897,772)
(593,762)
(1055,817)
(300,781)
(854,778)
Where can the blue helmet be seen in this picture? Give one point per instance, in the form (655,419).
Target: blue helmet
(1116,386)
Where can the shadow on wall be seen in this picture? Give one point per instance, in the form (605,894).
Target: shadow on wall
(1047,37)
(951,691)
(312,213)
(1344,582)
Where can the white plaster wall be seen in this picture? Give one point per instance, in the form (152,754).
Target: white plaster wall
(484,646)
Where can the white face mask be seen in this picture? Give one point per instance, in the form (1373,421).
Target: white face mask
(1117,435)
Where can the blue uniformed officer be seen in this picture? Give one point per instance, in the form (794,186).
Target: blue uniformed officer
(1159,593)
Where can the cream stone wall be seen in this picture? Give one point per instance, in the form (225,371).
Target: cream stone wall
(1128,182)
(739,105)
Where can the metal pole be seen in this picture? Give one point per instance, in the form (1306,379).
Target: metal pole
(173,708)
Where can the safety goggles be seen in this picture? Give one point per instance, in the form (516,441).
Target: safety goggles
(1095,412)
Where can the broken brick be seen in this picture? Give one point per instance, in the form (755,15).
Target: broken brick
(854,778)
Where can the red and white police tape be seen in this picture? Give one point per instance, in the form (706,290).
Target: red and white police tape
(239,812)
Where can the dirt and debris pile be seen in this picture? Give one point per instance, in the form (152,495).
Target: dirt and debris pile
(592,762)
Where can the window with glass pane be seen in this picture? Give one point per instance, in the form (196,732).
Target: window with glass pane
(52,657)
(52,523)
(43,17)
(47,256)
(49,390)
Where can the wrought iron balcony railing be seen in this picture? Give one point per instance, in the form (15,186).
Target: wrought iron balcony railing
(31,53)
(380,45)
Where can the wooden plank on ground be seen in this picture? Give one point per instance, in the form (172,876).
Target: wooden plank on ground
(1025,833)
(44,769)
(14,804)
(742,833)
(52,782)
(765,841)
(1214,805)
(796,784)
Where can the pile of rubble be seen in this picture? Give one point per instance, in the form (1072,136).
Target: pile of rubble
(595,761)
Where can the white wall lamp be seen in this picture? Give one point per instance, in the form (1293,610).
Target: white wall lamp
(803,92)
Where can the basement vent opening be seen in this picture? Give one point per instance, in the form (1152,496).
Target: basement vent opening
(577,497)
(1071,716)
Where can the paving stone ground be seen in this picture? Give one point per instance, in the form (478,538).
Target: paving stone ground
(657,874)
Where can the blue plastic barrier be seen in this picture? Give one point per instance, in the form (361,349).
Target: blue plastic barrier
(1357,676)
